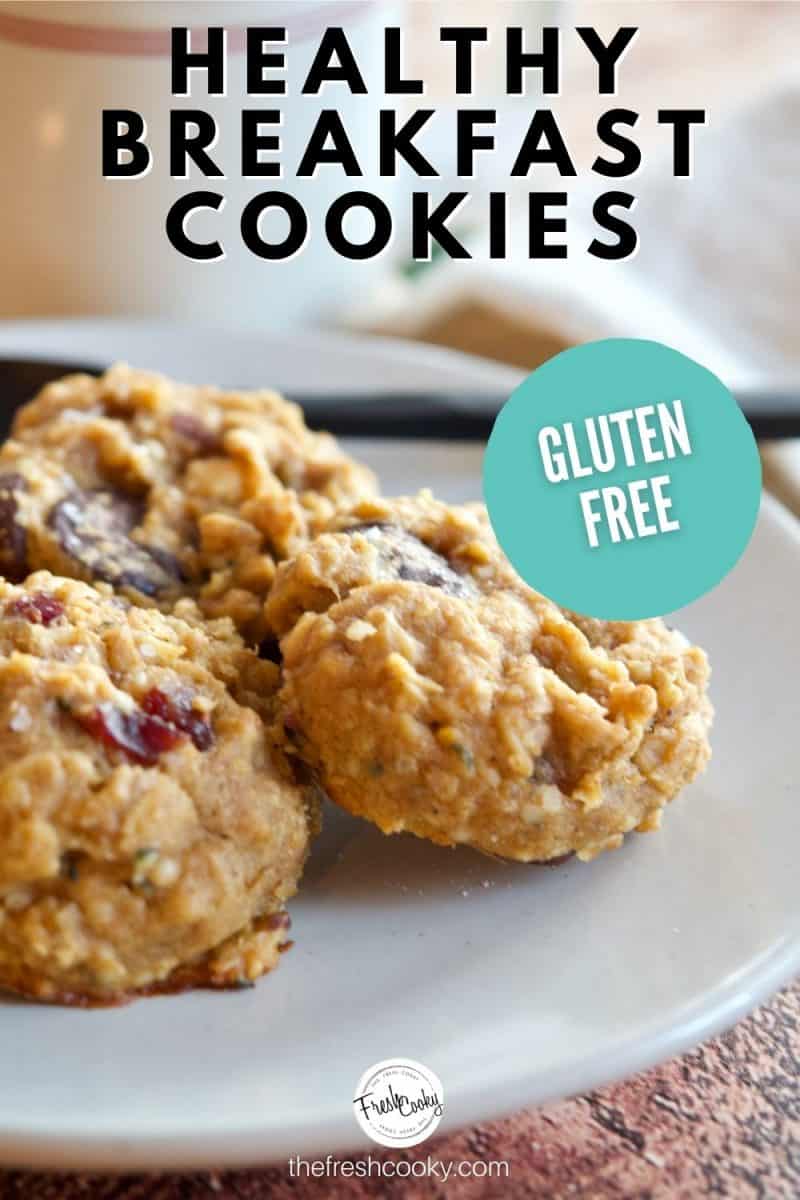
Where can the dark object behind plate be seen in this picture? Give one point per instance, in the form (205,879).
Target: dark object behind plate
(425,415)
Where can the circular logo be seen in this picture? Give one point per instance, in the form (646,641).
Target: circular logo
(398,1102)
(622,479)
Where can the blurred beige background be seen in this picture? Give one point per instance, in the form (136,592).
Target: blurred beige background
(726,57)
(746,46)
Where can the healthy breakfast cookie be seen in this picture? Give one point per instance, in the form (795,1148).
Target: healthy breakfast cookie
(165,490)
(150,832)
(433,691)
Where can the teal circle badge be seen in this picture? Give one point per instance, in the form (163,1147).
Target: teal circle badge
(622,479)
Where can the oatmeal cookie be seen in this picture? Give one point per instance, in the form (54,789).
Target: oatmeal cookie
(433,691)
(165,490)
(150,830)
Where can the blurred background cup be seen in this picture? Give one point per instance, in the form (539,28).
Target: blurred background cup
(74,243)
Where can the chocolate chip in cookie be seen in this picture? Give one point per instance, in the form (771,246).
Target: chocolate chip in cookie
(408,559)
(94,529)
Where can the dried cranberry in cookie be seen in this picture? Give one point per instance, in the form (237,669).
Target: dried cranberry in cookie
(41,608)
(432,691)
(151,829)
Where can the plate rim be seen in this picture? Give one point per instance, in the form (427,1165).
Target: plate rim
(485,372)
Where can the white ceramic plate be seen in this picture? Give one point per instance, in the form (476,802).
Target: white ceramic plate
(516,985)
